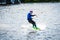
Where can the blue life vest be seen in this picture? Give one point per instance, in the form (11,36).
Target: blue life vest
(29,16)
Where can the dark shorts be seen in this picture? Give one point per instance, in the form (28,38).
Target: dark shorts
(31,21)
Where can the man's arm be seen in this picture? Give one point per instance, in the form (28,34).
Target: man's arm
(33,15)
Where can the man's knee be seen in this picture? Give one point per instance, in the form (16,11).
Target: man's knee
(34,23)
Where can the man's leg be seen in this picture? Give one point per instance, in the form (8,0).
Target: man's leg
(34,24)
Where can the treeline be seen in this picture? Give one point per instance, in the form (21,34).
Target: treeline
(10,1)
(26,1)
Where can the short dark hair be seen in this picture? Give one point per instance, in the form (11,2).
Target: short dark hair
(31,11)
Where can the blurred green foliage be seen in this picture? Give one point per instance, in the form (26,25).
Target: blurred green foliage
(25,1)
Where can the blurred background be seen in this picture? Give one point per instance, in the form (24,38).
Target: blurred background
(14,24)
(25,1)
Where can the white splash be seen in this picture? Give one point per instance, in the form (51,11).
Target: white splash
(42,26)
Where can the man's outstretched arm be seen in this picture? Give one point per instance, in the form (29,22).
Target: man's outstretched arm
(33,15)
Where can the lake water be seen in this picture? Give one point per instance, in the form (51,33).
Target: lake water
(14,24)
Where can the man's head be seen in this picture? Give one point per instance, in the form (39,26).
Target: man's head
(31,11)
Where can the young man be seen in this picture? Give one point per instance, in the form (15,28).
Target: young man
(29,18)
